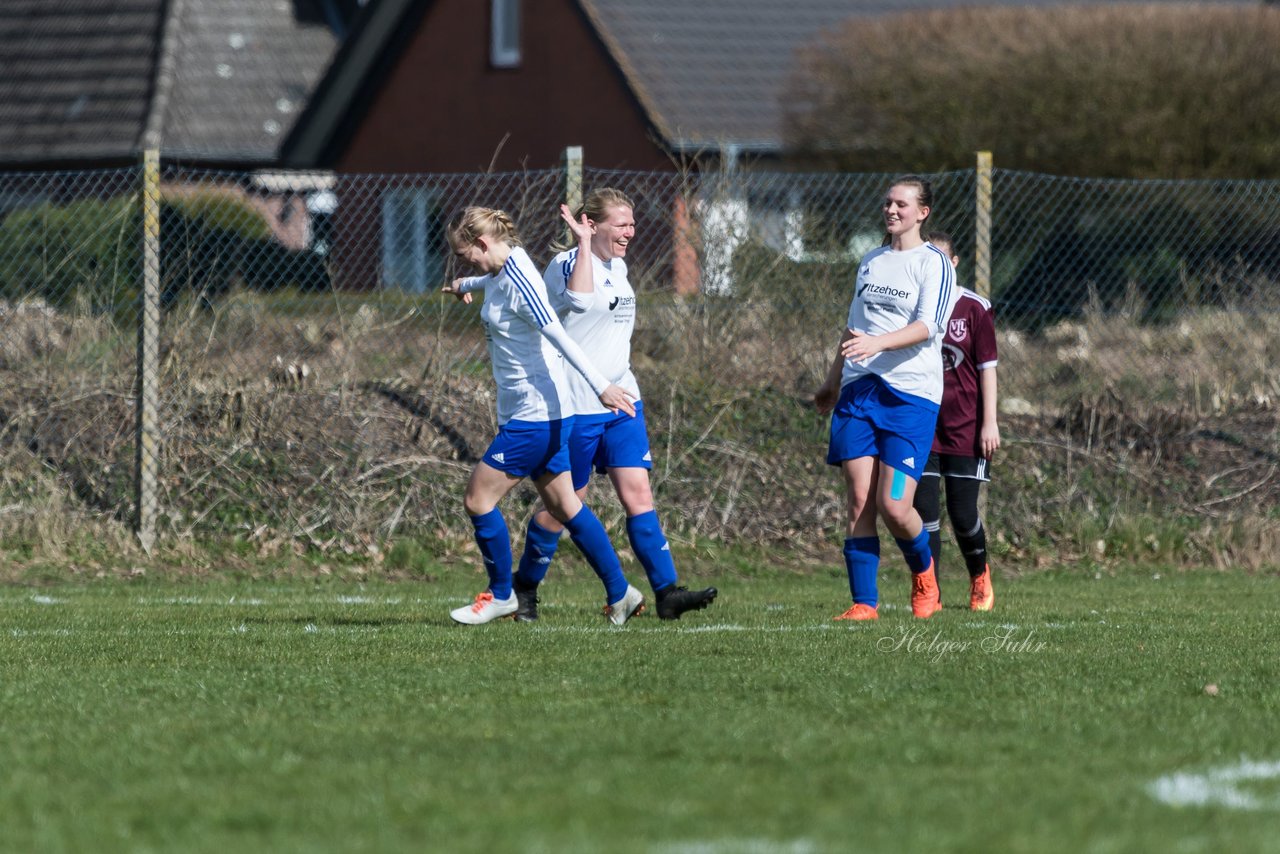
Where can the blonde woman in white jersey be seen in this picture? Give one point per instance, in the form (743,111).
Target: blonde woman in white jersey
(884,389)
(527,347)
(590,290)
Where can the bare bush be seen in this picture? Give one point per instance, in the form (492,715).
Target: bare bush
(1119,90)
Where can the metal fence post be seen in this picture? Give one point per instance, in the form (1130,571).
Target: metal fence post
(147,464)
(571,162)
(982,228)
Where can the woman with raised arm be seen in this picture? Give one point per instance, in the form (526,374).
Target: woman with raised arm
(528,347)
(588,285)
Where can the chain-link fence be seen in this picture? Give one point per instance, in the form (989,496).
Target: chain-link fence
(314,390)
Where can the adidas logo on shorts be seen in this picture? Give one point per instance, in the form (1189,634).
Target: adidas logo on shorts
(909,462)
(499,457)
(648,457)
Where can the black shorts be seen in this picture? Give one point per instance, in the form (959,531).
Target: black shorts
(954,465)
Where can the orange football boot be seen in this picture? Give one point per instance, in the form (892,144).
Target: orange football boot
(926,600)
(860,612)
(981,596)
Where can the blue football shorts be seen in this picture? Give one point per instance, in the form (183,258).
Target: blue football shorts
(873,420)
(608,441)
(531,448)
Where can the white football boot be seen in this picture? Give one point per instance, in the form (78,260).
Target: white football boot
(484,609)
(631,603)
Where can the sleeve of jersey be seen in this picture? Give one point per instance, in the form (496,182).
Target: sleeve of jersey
(533,304)
(472,283)
(984,340)
(556,334)
(937,292)
(557,279)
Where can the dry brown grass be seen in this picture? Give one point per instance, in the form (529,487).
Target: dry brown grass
(1131,429)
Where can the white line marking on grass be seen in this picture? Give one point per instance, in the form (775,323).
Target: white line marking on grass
(47,600)
(1218,787)
(749,846)
(687,630)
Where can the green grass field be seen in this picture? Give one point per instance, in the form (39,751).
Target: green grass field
(305,716)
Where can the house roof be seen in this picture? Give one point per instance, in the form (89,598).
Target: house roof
(76,78)
(713,73)
(220,80)
(709,74)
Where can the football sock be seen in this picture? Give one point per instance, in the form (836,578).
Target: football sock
(539,548)
(494,541)
(651,549)
(916,551)
(862,561)
(593,541)
(973,546)
(935,544)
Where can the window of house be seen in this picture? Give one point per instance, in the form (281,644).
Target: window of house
(413,240)
(504,34)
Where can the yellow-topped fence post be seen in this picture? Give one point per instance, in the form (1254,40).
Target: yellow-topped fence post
(982,229)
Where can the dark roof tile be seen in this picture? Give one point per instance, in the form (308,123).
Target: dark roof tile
(77,77)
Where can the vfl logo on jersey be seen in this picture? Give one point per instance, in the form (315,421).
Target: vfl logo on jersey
(958,328)
(499,458)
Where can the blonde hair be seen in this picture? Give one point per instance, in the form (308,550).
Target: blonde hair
(475,222)
(596,206)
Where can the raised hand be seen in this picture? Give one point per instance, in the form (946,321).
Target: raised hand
(582,229)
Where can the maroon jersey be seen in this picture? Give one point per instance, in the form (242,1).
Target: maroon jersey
(968,346)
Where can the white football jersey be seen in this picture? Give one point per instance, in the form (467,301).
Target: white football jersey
(529,370)
(893,290)
(603,329)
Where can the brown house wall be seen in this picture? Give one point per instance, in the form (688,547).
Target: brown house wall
(442,108)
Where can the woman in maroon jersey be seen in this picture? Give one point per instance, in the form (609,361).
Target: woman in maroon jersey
(967,435)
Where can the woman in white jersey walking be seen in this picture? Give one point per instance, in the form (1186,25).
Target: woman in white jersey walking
(526,342)
(883,390)
(589,289)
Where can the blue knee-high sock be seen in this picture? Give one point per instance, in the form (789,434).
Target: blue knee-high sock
(539,548)
(917,552)
(647,541)
(862,560)
(593,541)
(494,541)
